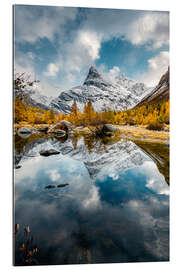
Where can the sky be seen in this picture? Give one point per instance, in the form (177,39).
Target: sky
(57,45)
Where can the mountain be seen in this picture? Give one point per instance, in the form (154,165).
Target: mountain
(159,93)
(32,96)
(121,94)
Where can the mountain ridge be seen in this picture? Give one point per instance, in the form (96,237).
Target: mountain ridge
(159,93)
(121,94)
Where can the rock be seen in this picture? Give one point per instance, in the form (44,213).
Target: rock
(62,185)
(59,132)
(61,127)
(16,228)
(43,129)
(50,186)
(27,229)
(49,152)
(67,123)
(109,128)
(24,135)
(24,130)
(18,166)
(84,130)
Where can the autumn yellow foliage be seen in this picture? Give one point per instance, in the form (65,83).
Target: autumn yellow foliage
(144,115)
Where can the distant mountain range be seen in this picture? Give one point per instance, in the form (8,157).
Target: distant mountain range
(121,94)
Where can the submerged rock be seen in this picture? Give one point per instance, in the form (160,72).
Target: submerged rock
(59,132)
(18,166)
(62,185)
(49,152)
(50,186)
(43,129)
(24,135)
(24,130)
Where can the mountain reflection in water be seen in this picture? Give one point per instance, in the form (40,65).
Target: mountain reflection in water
(115,207)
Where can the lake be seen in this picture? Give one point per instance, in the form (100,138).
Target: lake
(114,209)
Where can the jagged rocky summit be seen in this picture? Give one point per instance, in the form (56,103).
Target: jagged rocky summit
(121,94)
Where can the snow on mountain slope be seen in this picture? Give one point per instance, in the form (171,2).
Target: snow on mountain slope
(159,93)
(32,96)
(38,97)
(122,94)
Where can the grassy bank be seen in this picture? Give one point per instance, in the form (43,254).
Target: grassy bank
(141,133)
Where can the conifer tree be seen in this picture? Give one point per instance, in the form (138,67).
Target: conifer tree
(52,116)
(74,109)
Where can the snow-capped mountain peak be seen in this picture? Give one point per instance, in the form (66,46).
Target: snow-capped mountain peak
(122,94)
(92,75)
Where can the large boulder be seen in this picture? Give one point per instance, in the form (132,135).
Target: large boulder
(67,123)
(49,152)
(24,130)
(109,128)
(61,127)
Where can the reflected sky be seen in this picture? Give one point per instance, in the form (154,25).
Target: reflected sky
(121,215)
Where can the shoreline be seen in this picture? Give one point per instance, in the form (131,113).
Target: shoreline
(143,134)
(123,132)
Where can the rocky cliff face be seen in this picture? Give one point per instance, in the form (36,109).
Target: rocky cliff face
(159,93)
(121,94)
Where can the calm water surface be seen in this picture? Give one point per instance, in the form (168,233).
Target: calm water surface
(115,208)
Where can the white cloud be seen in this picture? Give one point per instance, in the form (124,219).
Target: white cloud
(52,70)
(24,62)
(151,28)
(110,74)
(114,176)
(138,27)
(81,52)
(90,42)
(157,66)
(54,175)
(79,46)
(35,22)
(155,180)
(93,200)
(48,89)
(113,73)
